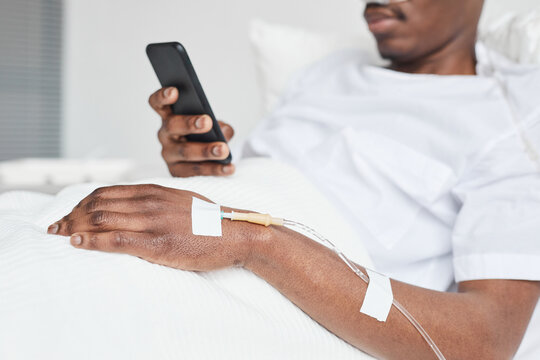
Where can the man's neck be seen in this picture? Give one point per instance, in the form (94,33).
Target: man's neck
(449,60)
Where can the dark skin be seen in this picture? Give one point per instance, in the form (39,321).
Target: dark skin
(480,321)
(426,36)
(154,223)
(185,158)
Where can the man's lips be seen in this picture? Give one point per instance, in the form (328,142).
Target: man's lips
(380,20)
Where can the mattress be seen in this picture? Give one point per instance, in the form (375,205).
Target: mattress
(58,302)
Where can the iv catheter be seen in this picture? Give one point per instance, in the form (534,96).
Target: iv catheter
(267,220)
(254,218)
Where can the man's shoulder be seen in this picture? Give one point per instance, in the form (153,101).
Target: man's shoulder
(522,81)
(513,70)
(524,85)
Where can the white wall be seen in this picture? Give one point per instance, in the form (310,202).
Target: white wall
(107,77)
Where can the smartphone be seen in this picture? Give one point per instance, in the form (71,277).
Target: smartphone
(173,68)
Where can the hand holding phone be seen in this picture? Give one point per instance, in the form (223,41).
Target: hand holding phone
(187,158)
(194,142)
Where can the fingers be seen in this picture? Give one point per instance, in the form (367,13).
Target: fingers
(127,242)
(186,158)
(126,205)
(180,125)
(162,100)
(177,149)
(194,152)
(175,126)
(186,169)
(227,130)
(124,191)
(106,202)
(101,220)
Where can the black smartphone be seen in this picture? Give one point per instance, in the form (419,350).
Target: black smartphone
(173,68)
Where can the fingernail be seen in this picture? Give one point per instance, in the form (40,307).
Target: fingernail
(167,92)
(216,150)
(76,240)
(199,123)
(228,169)
(53,229)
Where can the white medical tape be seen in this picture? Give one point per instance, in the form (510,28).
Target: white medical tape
(379,296)
(205,218)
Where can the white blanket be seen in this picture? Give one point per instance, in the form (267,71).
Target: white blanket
(58,302)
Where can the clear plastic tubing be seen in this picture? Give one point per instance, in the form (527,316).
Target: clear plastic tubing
(361,275)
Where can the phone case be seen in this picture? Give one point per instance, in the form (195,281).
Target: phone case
(173,68)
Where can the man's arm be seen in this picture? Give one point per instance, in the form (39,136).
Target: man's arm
(485,320)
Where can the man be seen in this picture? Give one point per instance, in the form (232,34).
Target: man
(423,158)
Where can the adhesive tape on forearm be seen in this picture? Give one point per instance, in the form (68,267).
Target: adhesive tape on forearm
(205,218)
(379,296)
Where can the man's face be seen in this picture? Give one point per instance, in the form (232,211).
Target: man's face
(409,30)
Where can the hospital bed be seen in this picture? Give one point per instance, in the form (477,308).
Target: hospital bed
(65,303)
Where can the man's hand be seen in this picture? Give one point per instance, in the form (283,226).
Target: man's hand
(486,319)
(153,223)
(189,158)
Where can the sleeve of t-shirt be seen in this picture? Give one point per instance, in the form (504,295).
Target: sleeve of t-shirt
(497,232)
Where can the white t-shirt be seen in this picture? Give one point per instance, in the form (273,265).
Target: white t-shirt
(430,170)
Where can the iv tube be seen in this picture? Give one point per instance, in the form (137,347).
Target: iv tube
(266,220)
(364,277)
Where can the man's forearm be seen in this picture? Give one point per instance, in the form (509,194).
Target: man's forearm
(464,325)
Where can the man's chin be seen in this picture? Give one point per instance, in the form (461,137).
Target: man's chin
(394,50)
(389,53)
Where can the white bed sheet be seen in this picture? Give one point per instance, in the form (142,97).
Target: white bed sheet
(58,302)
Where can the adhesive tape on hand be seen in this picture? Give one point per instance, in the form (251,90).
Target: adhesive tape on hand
(205,218)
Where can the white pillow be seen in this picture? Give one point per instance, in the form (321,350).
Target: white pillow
(282,50)
(515,35)
(58,302)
